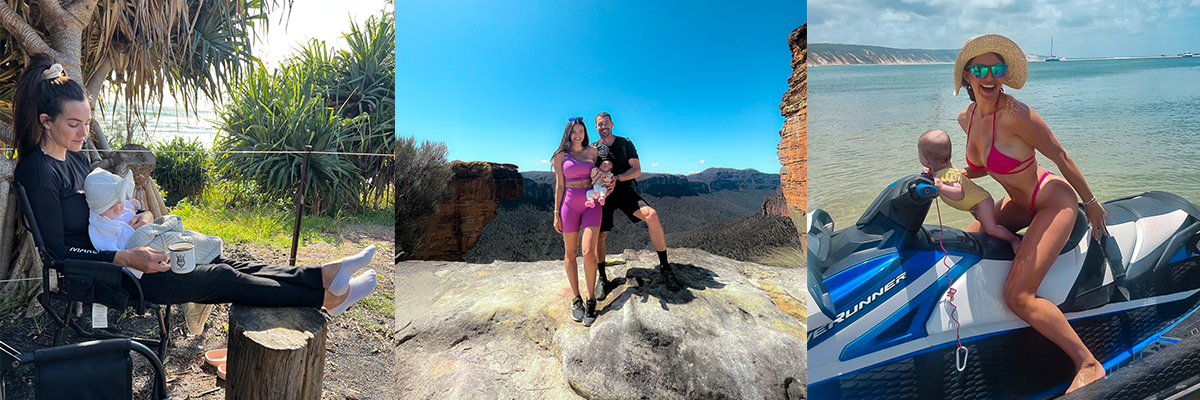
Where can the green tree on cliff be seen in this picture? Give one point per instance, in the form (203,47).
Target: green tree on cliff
(422,179)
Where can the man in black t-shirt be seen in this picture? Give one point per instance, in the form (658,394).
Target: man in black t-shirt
(622,196)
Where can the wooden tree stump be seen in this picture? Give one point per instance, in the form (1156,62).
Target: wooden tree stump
(275,353)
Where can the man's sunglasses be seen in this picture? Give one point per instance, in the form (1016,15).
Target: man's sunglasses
(980,70)
(576,119)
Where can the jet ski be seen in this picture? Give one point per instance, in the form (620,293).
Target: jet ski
(891,299)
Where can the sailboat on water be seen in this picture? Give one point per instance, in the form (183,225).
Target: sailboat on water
(1052,56)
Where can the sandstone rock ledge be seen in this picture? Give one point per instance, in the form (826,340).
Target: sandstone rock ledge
(503,331)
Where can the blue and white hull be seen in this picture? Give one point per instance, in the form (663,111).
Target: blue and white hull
(880,321)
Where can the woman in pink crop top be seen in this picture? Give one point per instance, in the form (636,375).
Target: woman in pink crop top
(573,163)
(1003,137)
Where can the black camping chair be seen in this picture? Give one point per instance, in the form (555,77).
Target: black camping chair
(89,282)
(99,369)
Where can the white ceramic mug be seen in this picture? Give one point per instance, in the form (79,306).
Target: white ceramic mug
(183,257)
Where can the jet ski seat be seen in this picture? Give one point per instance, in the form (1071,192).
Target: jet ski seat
(1078,231)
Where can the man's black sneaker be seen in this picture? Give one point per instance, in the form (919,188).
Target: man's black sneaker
(669,278)
(601,290)
(589,313)
(577,309)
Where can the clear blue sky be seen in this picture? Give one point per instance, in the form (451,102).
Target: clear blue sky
(694,84)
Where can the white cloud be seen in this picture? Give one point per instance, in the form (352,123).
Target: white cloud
(892,16)
(1081,28)
(701,161)
(654,165)
(545,162)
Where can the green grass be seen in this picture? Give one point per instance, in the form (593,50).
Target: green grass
(259,225)
(237,211)
(784,257)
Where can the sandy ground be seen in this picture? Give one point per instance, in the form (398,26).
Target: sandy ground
(358,353)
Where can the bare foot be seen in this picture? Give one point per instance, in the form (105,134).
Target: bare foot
(1088,373)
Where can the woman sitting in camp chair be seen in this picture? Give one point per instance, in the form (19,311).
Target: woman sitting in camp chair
(51,121)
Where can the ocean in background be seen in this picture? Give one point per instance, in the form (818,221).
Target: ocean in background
(1130,125)
(161,125)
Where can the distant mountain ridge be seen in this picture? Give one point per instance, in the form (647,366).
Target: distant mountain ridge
(843,54)
(540,184)
(838,54)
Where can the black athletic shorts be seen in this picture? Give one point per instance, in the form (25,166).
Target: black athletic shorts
(623,198)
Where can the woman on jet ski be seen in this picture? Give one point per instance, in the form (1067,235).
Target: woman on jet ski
(1003,136)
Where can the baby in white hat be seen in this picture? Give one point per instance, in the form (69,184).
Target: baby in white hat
(111,208)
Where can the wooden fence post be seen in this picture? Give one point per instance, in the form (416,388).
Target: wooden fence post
(300,204)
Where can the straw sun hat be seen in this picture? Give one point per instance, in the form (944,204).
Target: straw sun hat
(1018,68)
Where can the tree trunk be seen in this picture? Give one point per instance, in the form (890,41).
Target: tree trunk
(275,353)
(6,132)
(7,213)
(27,265)
(141,162)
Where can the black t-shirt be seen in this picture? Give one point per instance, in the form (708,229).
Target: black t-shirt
(619,154)
(55,190)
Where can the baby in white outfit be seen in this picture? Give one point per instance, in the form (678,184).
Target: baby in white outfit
(601,176)
(111,208)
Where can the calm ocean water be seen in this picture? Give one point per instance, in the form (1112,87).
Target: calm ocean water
(1131,126)
(171,122)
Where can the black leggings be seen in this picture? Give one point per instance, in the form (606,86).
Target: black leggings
(239,282)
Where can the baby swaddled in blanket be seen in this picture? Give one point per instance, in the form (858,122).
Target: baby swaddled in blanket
(111,211)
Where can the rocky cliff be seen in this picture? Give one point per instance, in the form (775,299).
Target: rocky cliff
(776,205)
(793,138)
(475,189)
(827,53)
(503,330)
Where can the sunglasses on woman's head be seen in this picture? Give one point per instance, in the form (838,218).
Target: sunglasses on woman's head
(576,119)
(980,70)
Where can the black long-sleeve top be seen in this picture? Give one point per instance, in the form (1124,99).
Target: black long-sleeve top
(55,190)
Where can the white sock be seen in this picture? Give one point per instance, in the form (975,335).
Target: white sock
(360,287)
(350,266)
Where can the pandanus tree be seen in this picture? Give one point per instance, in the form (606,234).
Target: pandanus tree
(141,50)
(145,50)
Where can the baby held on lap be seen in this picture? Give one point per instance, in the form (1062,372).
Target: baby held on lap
(113,220)
(956,190)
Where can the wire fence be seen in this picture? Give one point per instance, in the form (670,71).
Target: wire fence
(308,153)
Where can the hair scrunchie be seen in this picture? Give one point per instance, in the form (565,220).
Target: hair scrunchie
(53,72)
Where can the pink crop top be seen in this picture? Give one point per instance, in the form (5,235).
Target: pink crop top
(575,170)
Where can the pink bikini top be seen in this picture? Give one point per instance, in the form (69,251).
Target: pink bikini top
(575,170)
(996,161)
